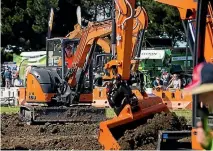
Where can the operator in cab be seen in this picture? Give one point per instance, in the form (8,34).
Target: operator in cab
(69,50)
(202,84)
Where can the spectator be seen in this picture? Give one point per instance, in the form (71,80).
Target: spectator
(202,84)
(13,76)
(158,83)
(165,78)
(2,77)
(8,78)
(176,82)
(17,81)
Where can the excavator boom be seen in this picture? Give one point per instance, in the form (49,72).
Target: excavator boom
(130,105)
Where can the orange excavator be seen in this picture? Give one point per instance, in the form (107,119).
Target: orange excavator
(130,105)
(53,92)
(54,45)
(202,51)
(56,93)
(140,25)
(198,23)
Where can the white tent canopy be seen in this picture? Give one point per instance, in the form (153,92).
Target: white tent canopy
(33,54)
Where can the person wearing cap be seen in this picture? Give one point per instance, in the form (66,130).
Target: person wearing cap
(68,55)
(202,84)
(158,83)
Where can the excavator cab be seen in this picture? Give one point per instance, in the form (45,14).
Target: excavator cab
(55,51)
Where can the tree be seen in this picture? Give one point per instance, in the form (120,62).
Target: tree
(163,20)
(24,23)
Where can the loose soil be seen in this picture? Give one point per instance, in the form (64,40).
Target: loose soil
(80,136)
(17,135)
(144,137)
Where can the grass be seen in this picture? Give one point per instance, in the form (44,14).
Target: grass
(110,113)
(9,110)
(185,113)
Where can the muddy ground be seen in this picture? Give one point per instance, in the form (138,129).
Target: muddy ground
(16,135)
(144,136)
(79,136)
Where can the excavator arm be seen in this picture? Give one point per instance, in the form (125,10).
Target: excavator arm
(93,32)
(140,21)
(124,41)
(140,24)
(129,105)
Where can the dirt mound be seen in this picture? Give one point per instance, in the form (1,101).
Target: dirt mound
(79,136)
(144,137)
(51,143)
(17,135)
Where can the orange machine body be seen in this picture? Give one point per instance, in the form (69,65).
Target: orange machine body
(174,99)
(140,22)
(191,5)
(94,30)
(22,96)
(184,8)
(148,106)
(34,92)
(124,41)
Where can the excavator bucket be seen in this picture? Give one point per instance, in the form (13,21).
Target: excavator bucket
(111,130)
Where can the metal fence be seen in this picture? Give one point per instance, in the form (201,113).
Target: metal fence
(9,97)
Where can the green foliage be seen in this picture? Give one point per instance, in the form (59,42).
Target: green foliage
(163,20)
(37,9)
(24,22)
(6,56)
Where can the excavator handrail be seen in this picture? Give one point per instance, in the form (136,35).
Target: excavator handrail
(130,16)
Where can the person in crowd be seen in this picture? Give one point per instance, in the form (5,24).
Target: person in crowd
(202,85)
(13,76)
(8,77)
(165,78)
(17,81)
(175,83)
(158,83)
(2,77)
